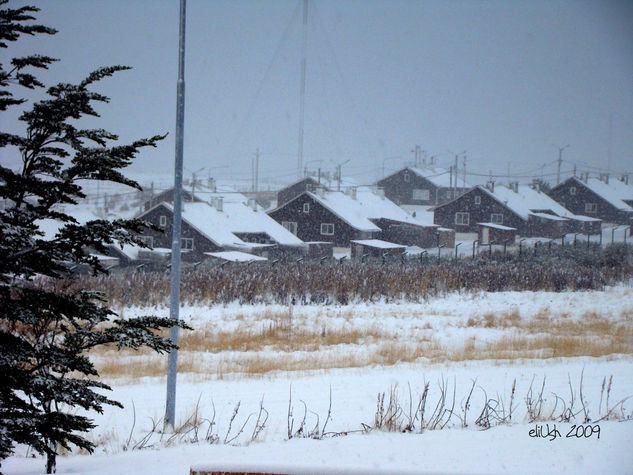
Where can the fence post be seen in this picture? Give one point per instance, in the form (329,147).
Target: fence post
(475,242)
(457,246)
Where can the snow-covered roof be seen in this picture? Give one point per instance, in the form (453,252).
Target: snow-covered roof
(551,217)
(497,226)
(348,209)
(527,201)
(236,217)
(377,243)
(614,192)
(367,205)
(440,177)
(236,256)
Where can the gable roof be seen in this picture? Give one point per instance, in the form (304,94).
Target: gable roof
(346,208)
(440,177)
(236,217)
(359,212)
(527,201)
(614,192)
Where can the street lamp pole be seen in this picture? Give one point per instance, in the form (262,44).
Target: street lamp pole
(172,362)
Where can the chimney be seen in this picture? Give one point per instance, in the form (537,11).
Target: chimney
(219,203)
(252,203)
(352,192)
(381,192)
(606,178)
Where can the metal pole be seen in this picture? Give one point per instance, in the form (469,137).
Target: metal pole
(172,362)
(302,92)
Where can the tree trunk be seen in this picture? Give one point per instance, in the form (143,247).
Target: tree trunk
(51,462)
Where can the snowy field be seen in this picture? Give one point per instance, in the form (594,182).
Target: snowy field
(478,345)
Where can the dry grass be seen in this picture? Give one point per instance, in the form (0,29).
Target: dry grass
(279,341)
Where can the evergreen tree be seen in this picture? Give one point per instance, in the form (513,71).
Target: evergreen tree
(46,330)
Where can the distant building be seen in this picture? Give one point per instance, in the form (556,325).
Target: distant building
(357,214)
(429,186)
(529,211)
(608,199)
(229,222)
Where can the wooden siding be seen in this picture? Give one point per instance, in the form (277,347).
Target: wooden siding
(400,190)
(309,224)
(576,202)
(201,243)
(444,215)
(290,192)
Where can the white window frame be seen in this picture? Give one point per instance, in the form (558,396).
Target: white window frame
(162,221)
(421,194)
(462,218)
(496,218)
(327,229)
(184,244)
(477,200)
(407,177)
(572,190)
(591,208)
(290,226)
(306,207)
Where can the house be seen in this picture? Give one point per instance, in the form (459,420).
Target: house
(529,211)
(229,222)
(608,199)
(295,189)
(356,214)
(413,187)
(168,196)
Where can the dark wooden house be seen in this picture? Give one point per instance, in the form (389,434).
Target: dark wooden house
(608,199)
(422,186)
(529,211)
(358,214)
(295,189)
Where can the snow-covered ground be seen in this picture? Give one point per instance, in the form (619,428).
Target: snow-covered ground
(350,396)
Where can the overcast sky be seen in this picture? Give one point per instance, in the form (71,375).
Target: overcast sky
(505,81)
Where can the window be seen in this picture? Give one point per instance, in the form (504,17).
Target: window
(162,221)
(148,240)
(186,244)
(462,218)
(327,229)
(290,226)
(496,218)
(407,177)
(591,208)
(477,200)
(306,207)
(572,190)
(422,195)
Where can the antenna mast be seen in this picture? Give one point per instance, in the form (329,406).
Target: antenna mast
(302,96)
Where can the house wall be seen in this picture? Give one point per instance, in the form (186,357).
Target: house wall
(444,215)
(287,194)
(576,202)
(399,189)
(309,224)
(201,243)
(168,196)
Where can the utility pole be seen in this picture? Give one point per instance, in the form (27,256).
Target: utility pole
(302,93)
(464,170)
(416,155)
(174,309)
(256,170)
(560,161)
